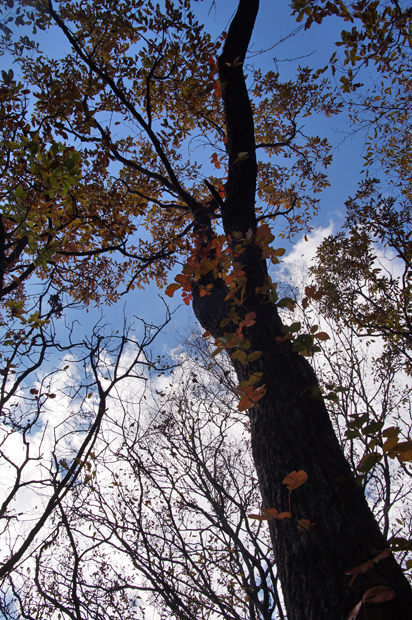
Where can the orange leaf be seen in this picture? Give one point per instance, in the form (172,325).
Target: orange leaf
(245,404)
(215,160)
(259,517)
(250,316)
(206,334)
(258,393)
(295,479)
(171,289)
(271,512)
(284,515)
(181,279)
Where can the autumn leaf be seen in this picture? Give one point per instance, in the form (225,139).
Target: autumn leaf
(171,289)
(295,479)
(363,568)
(378,594)
(284,515)
(244,404)
(215,161)
(322,336)
(259,517)
(254,356)
(271,512)
(304,525)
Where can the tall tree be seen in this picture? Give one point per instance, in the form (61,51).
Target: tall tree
(163,86)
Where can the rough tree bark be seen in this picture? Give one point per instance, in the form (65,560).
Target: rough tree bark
(290,430)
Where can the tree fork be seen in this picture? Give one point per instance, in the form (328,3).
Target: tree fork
(291,429)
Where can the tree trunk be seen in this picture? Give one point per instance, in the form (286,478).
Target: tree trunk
(290,429)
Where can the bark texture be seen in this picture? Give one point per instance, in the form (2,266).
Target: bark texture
(290,429)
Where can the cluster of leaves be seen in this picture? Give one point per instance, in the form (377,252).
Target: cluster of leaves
(293,480)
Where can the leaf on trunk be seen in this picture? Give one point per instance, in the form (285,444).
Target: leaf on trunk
(270,512)
(255,377)
(245,404)
(378,594)
(254,356)
(284,515)
(259,517)
(362,568)
(295,479)
(304,524)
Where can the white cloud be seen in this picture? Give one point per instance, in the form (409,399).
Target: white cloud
(304,251)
